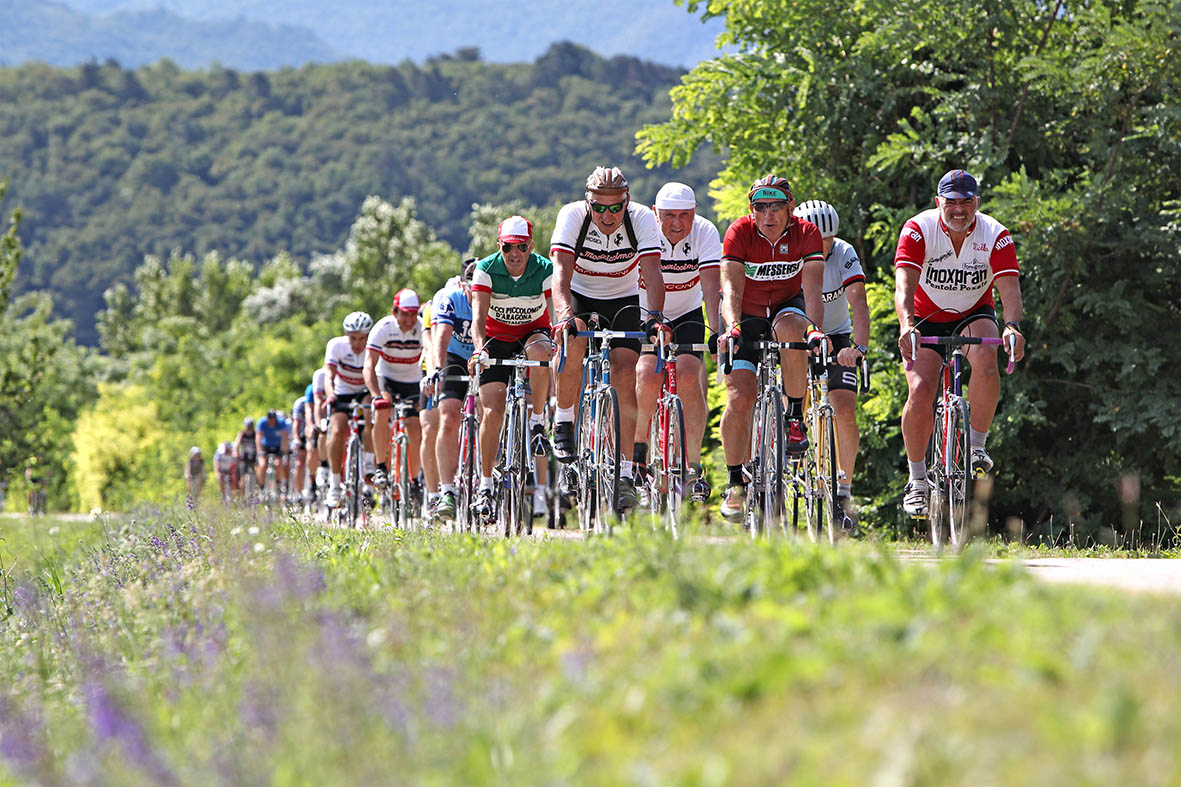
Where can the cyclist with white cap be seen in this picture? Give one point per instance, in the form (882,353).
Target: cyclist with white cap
(846,323)
(512,306)
(690,262)
(393,370)
(195,474)
(344,357)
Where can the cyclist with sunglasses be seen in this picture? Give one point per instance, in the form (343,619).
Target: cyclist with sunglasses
(690,259)
(772,273)
(947,261)
(600,247)
(512,306)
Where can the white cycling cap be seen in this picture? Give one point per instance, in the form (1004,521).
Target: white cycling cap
(675,196)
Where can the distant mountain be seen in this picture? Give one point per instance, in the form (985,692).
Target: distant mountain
(57,34)
(260,34)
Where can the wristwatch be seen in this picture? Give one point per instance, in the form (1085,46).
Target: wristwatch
(1014,325)
(861,348)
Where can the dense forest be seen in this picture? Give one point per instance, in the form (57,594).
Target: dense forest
(110,164)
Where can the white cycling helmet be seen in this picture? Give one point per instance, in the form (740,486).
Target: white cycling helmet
(823,215)
(357,322)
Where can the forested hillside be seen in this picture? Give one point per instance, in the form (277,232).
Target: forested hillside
(111,164)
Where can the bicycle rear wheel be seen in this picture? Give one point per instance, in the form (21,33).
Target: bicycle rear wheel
(606,460)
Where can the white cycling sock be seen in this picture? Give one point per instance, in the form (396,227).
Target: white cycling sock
(432,497)
(844,490)
(535,419)
(918,470)
(565,415)
(447,489)
(625,469)
(485,482)
(334,481)
(977,439)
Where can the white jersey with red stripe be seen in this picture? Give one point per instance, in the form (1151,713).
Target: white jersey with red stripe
(681,265)
(348,365)
(842,267)
(320,381)
(608,265)
(951,284)
(399,351)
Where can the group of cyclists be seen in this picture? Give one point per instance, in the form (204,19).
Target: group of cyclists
(666,273)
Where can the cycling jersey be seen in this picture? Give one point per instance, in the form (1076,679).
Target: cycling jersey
(348,365)
(951,283)
(517,306)
(319,385)
(700,250)
(223,461)
(452,307)
(605,266)
(272,436)
(842,267)
(400,351)
(424,314)
(773,268)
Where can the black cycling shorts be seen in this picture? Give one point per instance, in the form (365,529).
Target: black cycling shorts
(687,329)
(757,328)
(343,401)
(841,378)
(454,388)
(502,349)
(615,314)
(276,450)
(397,391)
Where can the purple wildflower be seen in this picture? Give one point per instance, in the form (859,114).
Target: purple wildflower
(112,723)
(22,741)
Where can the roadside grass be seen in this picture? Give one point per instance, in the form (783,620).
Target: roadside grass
(232,647)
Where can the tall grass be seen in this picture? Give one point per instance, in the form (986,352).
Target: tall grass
(179,648)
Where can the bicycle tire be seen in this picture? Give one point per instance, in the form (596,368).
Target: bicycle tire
(654,478)
(752,509)
(521,516)
(676,473)
(773,464)
(959,494)
(352,485)
(825,478)
(607,460)
(465,476)
(405,510)
(585,461)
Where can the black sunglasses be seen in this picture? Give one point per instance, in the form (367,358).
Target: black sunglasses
(505,248)
(774,207)
(599,207)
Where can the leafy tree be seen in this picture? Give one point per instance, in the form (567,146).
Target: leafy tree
(1067,113)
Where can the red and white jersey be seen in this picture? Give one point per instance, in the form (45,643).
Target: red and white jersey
(608,265)
(700,250)
(951,284)
(400,350)
(348,365)
(774,269)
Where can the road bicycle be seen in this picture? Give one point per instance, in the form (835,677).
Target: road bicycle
(949,451)
(249,479)
(594,473)
(272,490)
(817,485)
(667,474)
(397,499)
(514,461)
(467,475)
(768,466)
(356,501)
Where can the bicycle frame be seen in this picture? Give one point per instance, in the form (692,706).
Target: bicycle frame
(398,488)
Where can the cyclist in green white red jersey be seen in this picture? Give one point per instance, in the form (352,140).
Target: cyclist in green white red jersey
(600,246)
(512,308)
(690,261)
(846,324)
(772,272)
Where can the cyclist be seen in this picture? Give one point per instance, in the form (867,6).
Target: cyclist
(246,449)
(772,271)
(512,306)
(271,438)
(194,474)
(37,478)
(844,293)
(316,416)
(451,318)
(393,371)
(691,254)
(344,357)
(299,446)
(226,468)
(947,261)
(600,247)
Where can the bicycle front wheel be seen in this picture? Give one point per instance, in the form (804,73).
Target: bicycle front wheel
(606,460)
(465,476)
(586,480)
(676,464)
(959,476)
(772,464)
(401,466)
(352,486)
(824,479)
